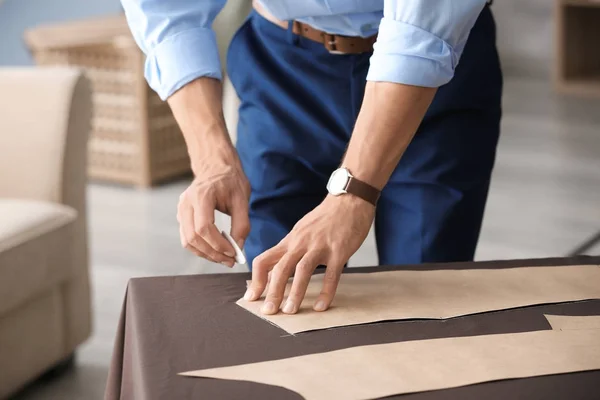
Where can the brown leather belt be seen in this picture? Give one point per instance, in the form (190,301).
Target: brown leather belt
(335,44)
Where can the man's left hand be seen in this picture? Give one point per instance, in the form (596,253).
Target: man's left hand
(328,235)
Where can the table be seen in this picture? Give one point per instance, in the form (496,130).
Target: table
(181,323)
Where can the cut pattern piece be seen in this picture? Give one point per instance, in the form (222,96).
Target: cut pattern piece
(397,295)
(568,322)
(368,372)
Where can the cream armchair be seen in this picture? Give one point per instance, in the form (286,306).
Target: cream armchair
(45,117)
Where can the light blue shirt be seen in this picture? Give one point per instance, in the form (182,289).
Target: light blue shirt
(419,41)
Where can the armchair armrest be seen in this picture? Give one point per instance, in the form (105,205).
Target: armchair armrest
(45,120)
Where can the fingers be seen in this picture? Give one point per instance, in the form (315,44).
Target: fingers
(262,265)
(272,269)
(204,227)
(240,221)
(304,270)
(190,247)
(191,241)
(279,278)
(330,284)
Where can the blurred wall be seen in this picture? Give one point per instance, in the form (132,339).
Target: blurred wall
(17,15)
(525,28)
(525,35)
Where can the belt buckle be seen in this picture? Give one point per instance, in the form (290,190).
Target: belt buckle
(330,44)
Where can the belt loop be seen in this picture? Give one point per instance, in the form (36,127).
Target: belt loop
(292,37)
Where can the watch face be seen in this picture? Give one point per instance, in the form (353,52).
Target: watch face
(338,181)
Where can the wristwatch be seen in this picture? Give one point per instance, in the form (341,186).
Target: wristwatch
(341,182)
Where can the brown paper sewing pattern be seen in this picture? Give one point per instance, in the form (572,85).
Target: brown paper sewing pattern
(396,295)
(568,322)
(368,372)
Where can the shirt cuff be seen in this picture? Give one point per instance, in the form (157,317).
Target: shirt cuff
(410,55)
(181,58)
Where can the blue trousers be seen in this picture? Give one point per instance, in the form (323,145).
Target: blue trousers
(298,107)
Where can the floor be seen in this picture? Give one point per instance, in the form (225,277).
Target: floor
(544,201)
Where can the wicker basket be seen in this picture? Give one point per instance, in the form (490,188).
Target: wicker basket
(135,139)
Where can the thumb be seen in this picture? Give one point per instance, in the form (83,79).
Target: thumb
(240,221)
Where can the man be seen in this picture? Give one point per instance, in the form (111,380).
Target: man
(413,130)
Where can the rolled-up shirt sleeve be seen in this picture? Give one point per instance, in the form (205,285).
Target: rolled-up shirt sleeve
(420,41)
(177,38)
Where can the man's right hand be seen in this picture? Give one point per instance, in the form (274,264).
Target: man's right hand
(218,186)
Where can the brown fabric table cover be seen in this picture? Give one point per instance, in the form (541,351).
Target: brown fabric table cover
(181,323)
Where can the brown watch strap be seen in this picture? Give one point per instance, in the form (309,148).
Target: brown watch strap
(363,190)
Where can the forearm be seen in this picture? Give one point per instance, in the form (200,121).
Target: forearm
(198,109)
(389,117)
(418,48)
